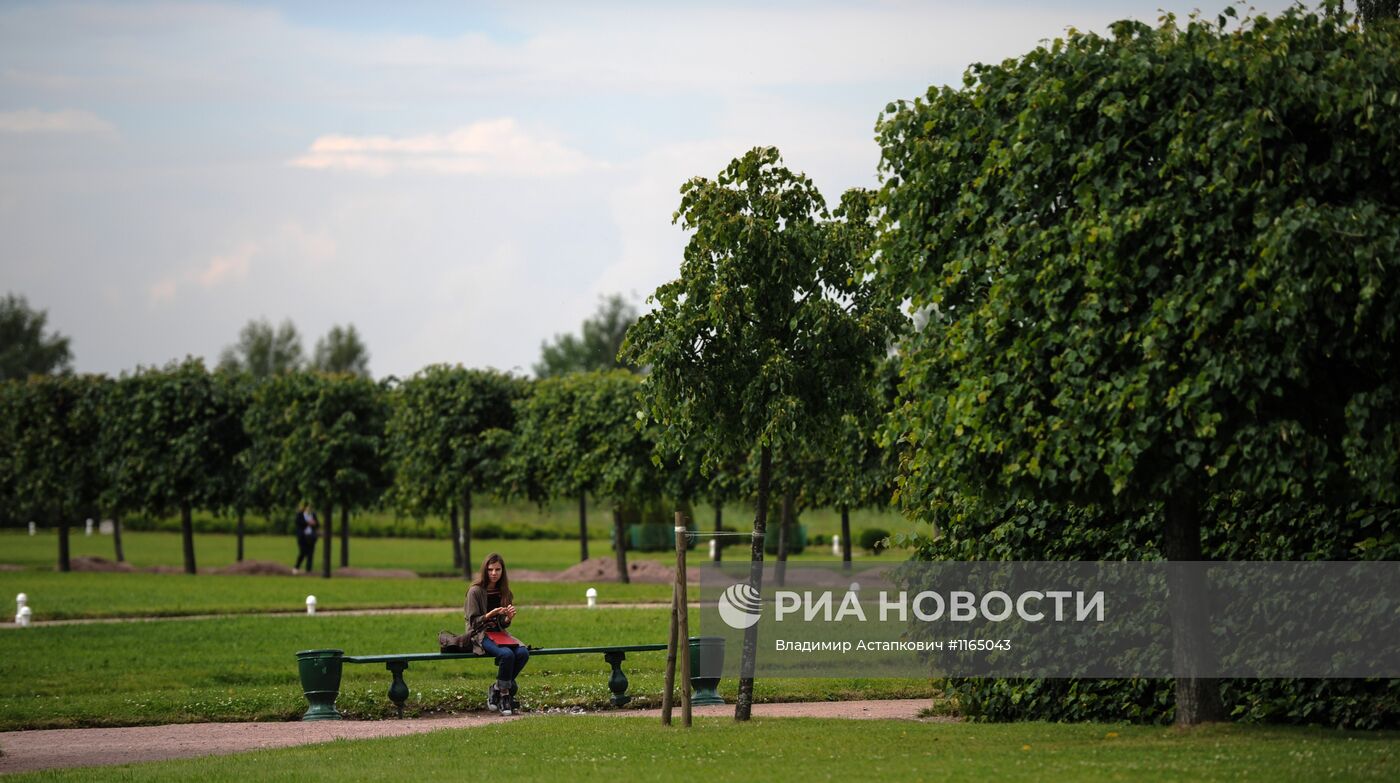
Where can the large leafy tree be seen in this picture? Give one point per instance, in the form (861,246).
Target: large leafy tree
(766,337)
(169,436)
(49,427)
(595,347)
(263,351)
(24,347)
(1160,266)
(449,434)
(341,351)
(319,437)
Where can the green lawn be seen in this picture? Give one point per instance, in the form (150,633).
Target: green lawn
(559,517)
(717,749)
(244,668)
(57,596)
(423,556)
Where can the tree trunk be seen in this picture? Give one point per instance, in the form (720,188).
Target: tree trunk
(1197,697)
(582,526)
(117,537)
(467,535)
(345,536)
(187,536)
(784,528)
(456,539)
(744,706)
(64,562)
(240,535)
(846,537)
(620,547)
(719,530)
(328,536)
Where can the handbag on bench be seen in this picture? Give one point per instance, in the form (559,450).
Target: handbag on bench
(452,643)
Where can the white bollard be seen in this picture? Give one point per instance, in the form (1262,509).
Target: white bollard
(714,547)
(855,587)
(22,617)
(592,596)
(836,545)
(311,604)
(21,601)
(31,529)
(89,527)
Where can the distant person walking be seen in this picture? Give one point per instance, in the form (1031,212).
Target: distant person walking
(306,538)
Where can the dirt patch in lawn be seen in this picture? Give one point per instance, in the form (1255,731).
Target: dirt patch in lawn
(100,564)
(599,569)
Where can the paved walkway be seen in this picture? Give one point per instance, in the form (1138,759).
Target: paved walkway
(33,750)
(322,612)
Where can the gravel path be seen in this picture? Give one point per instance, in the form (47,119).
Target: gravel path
(322,612)
(33,750)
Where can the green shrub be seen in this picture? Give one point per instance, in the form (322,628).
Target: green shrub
(1237,529)
(874,540)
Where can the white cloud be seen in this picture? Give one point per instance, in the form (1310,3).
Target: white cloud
(229,267)
(497,146)
(65,121)
(288,244)
(163,290)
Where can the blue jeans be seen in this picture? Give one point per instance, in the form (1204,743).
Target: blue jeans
(509,660)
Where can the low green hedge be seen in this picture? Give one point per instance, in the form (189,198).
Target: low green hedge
(1237,529)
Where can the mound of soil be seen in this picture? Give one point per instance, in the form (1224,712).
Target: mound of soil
(604,569)
(86,563)
(377,573)
(256,567)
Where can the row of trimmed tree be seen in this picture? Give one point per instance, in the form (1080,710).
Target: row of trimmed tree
(180,438)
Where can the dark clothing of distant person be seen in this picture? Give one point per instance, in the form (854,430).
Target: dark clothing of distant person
(306,540)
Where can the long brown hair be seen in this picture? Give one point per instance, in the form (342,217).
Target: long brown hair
(502,584)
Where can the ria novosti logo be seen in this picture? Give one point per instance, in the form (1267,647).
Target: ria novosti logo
(740,606)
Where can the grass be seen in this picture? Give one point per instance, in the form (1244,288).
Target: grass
(560,518)
(423,556)
(57,596)
(244,668)
(600,748)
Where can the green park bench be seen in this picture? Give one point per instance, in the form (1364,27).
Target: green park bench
(320,671)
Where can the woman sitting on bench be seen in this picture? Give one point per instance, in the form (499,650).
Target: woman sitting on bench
(490,608)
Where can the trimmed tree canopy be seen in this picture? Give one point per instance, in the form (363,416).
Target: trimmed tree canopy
(1159,261)
(449,430)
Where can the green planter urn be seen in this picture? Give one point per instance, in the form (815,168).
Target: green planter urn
(320,681)
(706,663)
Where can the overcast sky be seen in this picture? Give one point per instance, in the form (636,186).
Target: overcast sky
(460,181)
